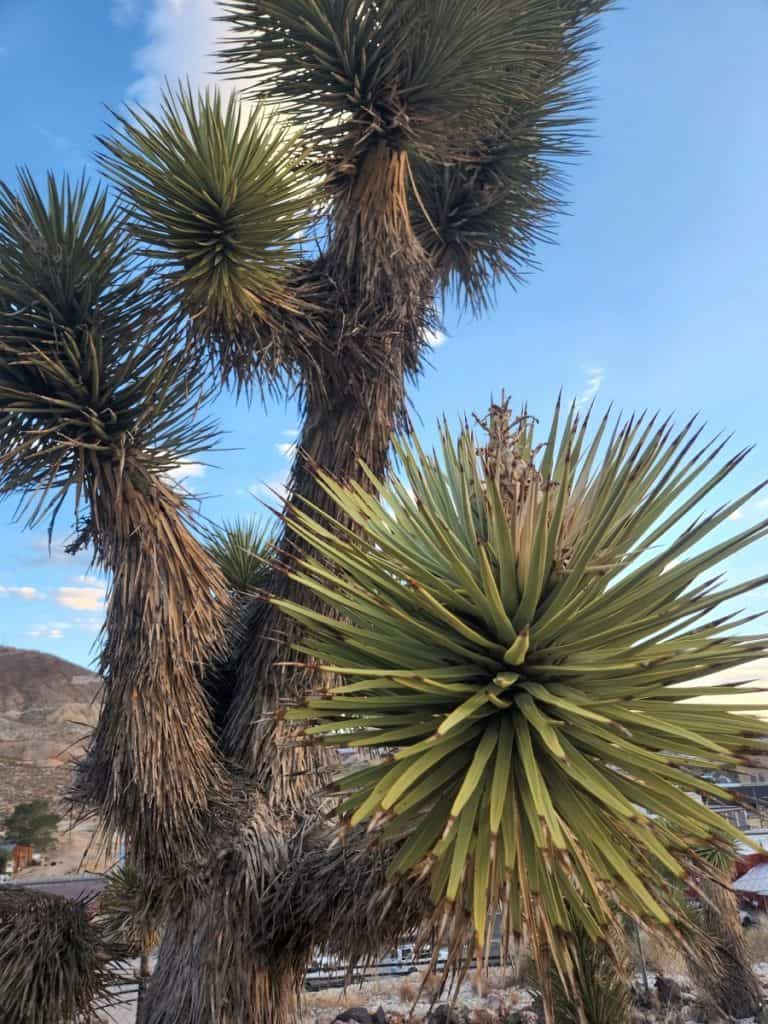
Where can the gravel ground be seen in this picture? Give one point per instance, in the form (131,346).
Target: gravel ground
(485,1002)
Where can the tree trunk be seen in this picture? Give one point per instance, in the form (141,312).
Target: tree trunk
(375,289)
(207,972)
(732,989)
(144,975)
(197,980)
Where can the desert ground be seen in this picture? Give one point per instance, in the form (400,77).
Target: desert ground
(502,996)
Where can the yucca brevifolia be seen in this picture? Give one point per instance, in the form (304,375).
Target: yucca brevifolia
(424,139)
(429,134)
(602,992)
(432,130)
(56,965)
(731,987)
(130,918)
(514,622)
(96,401)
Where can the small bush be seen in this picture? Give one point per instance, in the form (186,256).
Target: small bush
(407,992)
(756,939)
(662,956)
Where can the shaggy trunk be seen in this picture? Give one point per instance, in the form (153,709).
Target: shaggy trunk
(151,764)
(733,988)
(249,989)
(192,982)
(374,288)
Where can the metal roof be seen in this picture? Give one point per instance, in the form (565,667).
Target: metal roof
(754,881)
(74,887)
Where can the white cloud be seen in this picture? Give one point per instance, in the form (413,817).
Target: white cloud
(55,553)
(293,432)
(595,378)
(286,448)
(754,672)
(182,36)
(53,631)
(24,593)
(89,581)
(435,338)
(736,515)
(92,625)
(82,599)
(275,487)
(187,469)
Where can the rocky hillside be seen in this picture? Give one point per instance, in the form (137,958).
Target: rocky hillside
(47,707)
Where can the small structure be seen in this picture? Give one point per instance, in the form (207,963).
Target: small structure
(751,887)
(84,888)
(753,882)
(22,857)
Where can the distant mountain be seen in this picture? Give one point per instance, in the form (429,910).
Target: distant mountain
(47,707)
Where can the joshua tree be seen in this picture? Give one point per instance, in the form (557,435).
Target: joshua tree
(76,974)
(732,988)
(129,917)
(513,621)
(601,993)
(421,152)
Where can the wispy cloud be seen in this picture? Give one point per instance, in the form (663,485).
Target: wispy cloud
(182,35)
(275,487)
(3,51)
(59,142)
(286,448)
(435,338)
(81,599)
(753,672)
(595,378)
(738,513)
(50,630)
(53,553)
(91,625)
(23,593)
(187,469)
(89,581)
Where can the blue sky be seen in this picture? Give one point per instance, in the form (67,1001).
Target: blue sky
(654,296)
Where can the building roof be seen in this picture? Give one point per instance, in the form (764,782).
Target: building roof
(755,881)
(78,887)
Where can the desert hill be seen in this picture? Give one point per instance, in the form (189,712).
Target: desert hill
(47,706)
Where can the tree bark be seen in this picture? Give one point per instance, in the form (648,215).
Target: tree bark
(144,975)
(375,288)
(733,988)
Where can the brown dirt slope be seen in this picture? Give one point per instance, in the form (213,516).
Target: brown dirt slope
(47,707)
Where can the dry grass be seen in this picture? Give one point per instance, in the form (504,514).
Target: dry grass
(407,992)
(662,956)
(756,939)
(431,983)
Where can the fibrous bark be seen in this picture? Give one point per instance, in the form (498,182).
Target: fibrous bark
(726,976)
(372,328)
